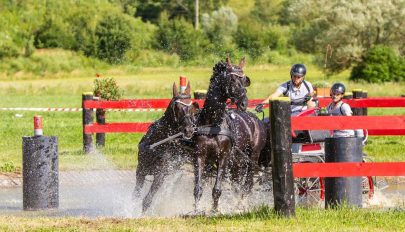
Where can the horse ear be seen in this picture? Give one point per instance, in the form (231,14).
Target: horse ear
(175,91)
(247,84)
(188,88)
(242,63)
(228,61)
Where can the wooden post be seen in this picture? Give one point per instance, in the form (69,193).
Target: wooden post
(281,156)
(357,94)
(87,120)
(200,94)
(364,94)
(100,137)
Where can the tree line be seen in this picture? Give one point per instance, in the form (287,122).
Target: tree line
(367,36)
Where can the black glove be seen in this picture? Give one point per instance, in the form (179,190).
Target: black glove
(307,98)
(259,108)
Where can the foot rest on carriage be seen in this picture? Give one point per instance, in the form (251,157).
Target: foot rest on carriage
(311,136)
(317,136)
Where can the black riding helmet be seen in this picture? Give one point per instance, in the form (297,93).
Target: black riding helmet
(338,88)
(298,70)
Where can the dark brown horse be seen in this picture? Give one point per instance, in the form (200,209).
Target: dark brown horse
(222,136)
(161,160)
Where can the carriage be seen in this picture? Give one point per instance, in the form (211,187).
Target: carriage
(309,147)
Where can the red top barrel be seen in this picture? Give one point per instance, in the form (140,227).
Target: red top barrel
(37,125)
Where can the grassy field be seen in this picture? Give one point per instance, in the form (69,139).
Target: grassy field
(121,149)
(263,219)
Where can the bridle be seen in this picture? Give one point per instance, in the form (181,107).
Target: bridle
(178,100)
(228,76)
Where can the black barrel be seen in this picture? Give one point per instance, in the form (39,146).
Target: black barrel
(281,156)
(343,190)
(40,173)
(200,94)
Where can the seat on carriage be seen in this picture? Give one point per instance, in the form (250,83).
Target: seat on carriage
(309,136)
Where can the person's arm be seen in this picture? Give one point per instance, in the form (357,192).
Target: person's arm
(311,104)
(277,93)
(280,90)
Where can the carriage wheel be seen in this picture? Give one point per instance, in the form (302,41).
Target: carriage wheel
(368,186)
(309,190)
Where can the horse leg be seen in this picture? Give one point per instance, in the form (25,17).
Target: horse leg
(217,191)
(199,165)
(248,184)
(140,180)
(157,182)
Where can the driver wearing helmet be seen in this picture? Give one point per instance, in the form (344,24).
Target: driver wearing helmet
(297,89)
(338,108)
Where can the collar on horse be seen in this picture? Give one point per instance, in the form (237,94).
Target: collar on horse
(217,130)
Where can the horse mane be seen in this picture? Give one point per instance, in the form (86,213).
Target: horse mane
(218,69)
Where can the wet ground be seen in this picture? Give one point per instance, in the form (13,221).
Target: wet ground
(108,193)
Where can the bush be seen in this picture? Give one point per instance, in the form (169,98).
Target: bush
(8,48)
(248,37)
(151,58)
(380,64)
(177,36)
(220,26)
(107,89)
(113,38)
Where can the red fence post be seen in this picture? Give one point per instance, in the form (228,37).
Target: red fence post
(87,120)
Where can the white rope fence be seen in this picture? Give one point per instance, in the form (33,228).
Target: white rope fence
(74,109)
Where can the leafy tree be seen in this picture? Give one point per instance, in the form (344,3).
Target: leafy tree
(150,10)
(351,27)
(248,38)
(179,36)
(113,38)
(267,11)
(220,26)
(380,64)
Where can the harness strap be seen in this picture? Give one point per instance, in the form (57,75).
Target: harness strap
(214,130)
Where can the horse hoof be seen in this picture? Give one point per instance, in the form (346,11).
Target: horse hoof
(214,211)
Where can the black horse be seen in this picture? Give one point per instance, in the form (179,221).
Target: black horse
(161,160)
(223,136)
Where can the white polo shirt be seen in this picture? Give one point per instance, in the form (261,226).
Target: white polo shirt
(296,94)
(341,109)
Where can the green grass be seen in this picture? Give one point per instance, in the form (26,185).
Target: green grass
(262,219)
(121,149)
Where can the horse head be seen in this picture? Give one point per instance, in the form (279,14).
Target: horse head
(183,110)
(232,82)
